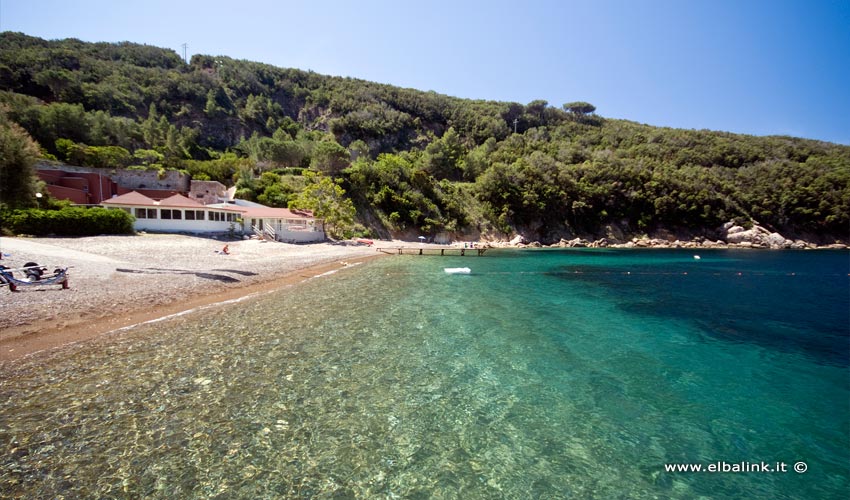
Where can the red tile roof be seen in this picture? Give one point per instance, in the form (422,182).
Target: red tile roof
(274,213)
(178,200)
(132,198)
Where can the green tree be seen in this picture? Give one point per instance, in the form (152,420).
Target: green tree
(444,158)
(71,152)
(18,153)
(286,153)
(358,149)
(579,108)
(107,156)
(326,199)
(62,120)
(289,127)
(149,158)
(329,157)
(276,195)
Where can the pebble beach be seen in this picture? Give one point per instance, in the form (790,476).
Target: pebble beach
(120,280)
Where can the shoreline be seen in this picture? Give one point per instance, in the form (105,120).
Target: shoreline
(108,294)
(22,342)
(121,281)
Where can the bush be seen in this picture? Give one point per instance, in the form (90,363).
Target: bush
(73,221)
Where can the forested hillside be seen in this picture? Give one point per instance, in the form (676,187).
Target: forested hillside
(410,162)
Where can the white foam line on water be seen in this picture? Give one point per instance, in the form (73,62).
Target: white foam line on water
(192,310)
(221,303)
(188,311)
(328,273)
(152,321)
(333,271)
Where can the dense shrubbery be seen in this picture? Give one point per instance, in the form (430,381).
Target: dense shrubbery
(404,195)
(67,222)
(410,160)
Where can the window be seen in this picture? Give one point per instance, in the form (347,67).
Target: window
(167,213)
(194,215)
(146,213)
(222,216)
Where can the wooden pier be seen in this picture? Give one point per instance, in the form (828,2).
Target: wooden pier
(431,251)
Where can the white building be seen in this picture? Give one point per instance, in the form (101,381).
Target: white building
(179,214)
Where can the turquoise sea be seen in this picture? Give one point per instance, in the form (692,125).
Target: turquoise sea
(543,374)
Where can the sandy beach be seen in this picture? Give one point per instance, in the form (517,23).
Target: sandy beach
(117,281)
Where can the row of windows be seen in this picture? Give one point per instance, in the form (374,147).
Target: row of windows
(223,216)
(172,214)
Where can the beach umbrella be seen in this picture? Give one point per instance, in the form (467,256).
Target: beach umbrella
(421,239)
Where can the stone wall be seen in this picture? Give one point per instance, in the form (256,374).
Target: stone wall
(171,180)
(208,192)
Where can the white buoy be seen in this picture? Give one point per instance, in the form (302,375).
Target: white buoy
(697,257)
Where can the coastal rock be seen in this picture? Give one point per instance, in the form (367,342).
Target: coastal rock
(573,243)
(739,235)
(755,237)
(664,235)
(776,240)
(614,233)
(517,240)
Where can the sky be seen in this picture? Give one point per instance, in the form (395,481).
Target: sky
(760,67)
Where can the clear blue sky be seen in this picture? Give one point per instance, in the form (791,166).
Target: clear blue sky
(751,66)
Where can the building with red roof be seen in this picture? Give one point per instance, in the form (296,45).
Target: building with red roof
(180,214)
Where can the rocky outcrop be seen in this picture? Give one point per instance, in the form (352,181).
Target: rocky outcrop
(582,243)
(517,240)
(755,237)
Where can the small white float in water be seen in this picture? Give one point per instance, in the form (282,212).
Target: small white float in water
(457,270)
(697,257)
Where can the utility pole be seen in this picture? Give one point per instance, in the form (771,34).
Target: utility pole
(185,45)
(515,122)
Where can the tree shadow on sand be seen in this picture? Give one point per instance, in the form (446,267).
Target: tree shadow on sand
(200,274)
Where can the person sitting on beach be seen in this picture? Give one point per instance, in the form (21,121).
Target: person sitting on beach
(226,250)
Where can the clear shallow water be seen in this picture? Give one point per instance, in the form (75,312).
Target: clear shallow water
(544,374)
